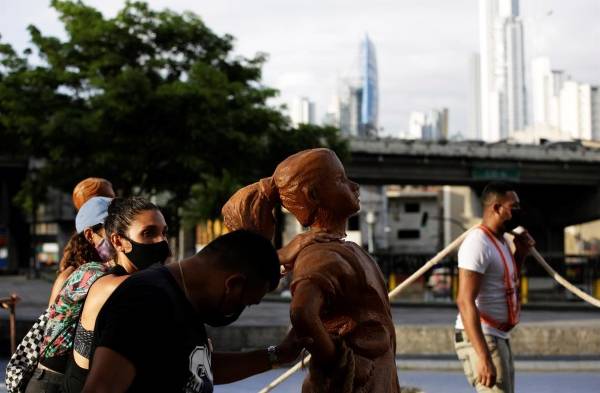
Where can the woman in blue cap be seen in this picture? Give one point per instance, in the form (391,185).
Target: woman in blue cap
(78,249)
(64,311)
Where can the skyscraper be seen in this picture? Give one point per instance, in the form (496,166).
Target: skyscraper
(503,98)
(432,126)
(356,109)
(369,102)
(348,114)
(474,97)
(562,106)
(303,111)
(576,110)
(416,123)
(543,90)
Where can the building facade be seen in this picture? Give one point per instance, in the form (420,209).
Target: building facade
(502,67)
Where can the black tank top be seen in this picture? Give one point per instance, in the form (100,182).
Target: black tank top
(74,375)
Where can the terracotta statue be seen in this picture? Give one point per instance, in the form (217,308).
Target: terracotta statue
(91,187)
(339,294)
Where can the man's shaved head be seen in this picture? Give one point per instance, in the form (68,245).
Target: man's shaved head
(495,191)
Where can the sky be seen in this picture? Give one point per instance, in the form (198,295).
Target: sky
(423,47)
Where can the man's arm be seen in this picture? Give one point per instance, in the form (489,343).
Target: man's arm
(111,372)
(228,367)
(254,362)
(469,284)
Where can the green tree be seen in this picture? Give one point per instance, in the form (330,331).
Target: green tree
(152,100)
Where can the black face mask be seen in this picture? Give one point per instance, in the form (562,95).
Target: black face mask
(219,319)
(514,221)
(145,255)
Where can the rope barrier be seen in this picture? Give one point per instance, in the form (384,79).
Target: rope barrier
(557,277)
(562,281)
(428,265)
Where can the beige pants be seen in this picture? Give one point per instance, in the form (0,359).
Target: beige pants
(501,357)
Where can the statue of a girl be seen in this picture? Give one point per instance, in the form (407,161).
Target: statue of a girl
(339,295)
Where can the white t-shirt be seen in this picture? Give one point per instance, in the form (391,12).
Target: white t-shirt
(477,253)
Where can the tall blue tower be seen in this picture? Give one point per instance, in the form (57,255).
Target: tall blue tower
(370,89)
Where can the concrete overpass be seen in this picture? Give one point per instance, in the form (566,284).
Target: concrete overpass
(559,183)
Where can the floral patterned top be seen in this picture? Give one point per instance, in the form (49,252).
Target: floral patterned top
(64,313)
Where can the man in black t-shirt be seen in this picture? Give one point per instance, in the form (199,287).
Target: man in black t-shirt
(150,335)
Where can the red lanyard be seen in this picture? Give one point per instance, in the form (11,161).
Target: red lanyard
(513,307)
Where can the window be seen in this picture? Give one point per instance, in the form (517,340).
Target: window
(412,207)
(409,234)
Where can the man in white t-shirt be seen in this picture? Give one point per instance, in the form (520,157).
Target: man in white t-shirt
(488,292)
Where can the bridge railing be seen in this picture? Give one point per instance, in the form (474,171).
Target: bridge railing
(441,282)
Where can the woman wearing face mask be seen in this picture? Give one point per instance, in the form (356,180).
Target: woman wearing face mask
(95,258)
(138,232)
(76,251)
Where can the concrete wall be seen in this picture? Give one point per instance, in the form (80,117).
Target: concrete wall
(527,340)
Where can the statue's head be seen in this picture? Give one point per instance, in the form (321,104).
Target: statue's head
(91,187)
(311,184)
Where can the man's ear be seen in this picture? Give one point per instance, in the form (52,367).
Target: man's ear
(235,283)
(497,207)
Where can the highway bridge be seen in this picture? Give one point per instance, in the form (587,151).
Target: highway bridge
(559,183)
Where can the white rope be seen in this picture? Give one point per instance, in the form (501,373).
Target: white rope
(561,280)
(279,380)
(428,265)
(557,277)
(402,286)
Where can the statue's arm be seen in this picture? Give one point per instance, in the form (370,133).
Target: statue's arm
(305,311)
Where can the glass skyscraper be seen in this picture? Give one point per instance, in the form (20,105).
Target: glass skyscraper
(369,102)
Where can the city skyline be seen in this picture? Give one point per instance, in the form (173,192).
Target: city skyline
(562,105)
(423,49)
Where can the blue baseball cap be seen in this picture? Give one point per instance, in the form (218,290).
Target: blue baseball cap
(91,213)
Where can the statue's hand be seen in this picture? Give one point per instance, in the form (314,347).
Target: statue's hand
(288,253)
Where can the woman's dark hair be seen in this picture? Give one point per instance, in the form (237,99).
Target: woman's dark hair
(122,212)
(79,251)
